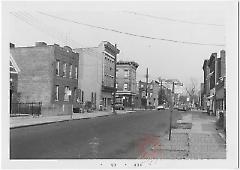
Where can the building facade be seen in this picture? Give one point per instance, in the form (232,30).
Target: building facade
(126,82)
(212,79)
(49,74)
(206,86)
(214,91)
(221,86)
(96,78)
(90,75)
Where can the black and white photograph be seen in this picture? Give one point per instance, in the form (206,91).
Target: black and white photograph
(125,84)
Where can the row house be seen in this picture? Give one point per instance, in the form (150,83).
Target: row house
(97,71)
(49,74)
(214,88)
(126,82)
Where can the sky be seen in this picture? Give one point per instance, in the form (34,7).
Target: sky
(164,59)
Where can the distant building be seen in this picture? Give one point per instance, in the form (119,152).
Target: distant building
(153,94)
(96,80)
(206,82)
(126,82)
(201,96)
(49,74)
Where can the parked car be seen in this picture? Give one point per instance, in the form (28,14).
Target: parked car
(182,108)
(161,107)
(119,106)
(175,107)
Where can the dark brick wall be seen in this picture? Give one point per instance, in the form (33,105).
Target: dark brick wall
(34,80)
(37,79)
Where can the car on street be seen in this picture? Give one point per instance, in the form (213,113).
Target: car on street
(182,108)
(161,107)
(119,106)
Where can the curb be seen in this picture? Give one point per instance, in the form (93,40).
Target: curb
(43,123)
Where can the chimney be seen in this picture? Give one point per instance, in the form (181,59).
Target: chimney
(12,45)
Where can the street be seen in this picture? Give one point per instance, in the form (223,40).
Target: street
(116,136)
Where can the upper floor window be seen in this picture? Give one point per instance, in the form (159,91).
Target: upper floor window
(70,71)
(57,67)
(125,86)
(57,93)
(116,85)
(64,69)
(76,72)
(126,73)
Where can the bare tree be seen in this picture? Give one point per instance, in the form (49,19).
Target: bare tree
(192,89)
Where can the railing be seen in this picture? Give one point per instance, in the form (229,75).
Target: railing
(25,109)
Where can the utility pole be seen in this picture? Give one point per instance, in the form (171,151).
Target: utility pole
(114,92)
(161,92)
(146,89)
(170,126)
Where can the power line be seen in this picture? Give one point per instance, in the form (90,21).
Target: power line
(127,33)
(173,20)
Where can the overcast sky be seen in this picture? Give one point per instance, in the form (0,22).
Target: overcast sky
(164,59)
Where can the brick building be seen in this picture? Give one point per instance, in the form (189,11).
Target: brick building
(126,82)
(153,91)
(221,85)
(97,71)
(214,91)
(206,86)
(212,79)
(49,74)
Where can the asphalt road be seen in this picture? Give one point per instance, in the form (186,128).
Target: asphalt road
(116,136)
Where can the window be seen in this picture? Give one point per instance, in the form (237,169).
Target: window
(64,69)
(125,86)
(82,96)
(70,71)
(57,67)
(125,73)
(76,72)
(116,85)
(57,93)
(75,94)
(67,93)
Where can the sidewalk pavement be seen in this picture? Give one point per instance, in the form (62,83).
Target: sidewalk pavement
(16,122)
(194,137)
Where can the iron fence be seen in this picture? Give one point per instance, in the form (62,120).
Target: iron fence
(21,109)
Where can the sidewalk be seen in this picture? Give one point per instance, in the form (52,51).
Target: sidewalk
(194,137)
(16,122)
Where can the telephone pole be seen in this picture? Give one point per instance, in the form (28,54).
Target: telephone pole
(170,126)
(146,89)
